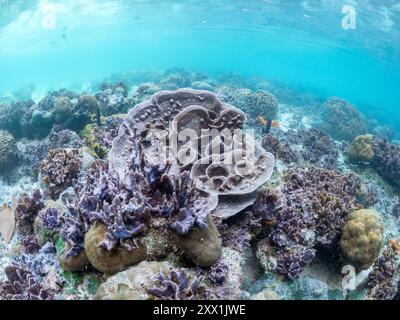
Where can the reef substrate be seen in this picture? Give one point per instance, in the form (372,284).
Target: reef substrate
(92,207)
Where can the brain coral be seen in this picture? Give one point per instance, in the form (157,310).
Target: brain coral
(361,149)
(342,120)
(362,238)
(8,151)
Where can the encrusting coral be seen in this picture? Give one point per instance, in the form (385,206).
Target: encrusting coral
(362,238)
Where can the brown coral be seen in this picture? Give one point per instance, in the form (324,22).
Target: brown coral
(361,149)
(362,238)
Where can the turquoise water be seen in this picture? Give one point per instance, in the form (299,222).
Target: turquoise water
(300,43)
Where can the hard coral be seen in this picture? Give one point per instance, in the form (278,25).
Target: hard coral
(255,104)
(361,149)
(178,285)
(386,160)
(310,211)
(362,238)
(22,285)
(59,169)
(381,155)
(382,282)
(26,210)
(8,152)
(26,277)
(342,120)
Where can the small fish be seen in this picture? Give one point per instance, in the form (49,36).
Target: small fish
(64,33)
(262,121)
(395,245)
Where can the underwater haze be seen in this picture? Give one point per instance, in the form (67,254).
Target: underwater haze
(301,43)
(199,150)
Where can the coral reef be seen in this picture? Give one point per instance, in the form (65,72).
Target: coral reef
(59,169)
(382,281)
(21,285)
(310,146)
(8,152)
(178,285)
(130,209)
(113,99)
(361,149)
(381,155)
(27,277)
(255,104)
(362,238)
(115,260)
(202,245)
(342,120)
(98,139)
(310,211)
(26,210)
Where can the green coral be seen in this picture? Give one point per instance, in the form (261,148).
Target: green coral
(361,149)
(362,238)
(95,146)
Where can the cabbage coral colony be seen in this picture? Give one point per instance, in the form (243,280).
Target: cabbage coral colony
(176,220)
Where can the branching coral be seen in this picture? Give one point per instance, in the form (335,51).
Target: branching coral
(311,211)
(255,104)
(382,281)
(59,169)
(280,149)
(386,160)
(26,210)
